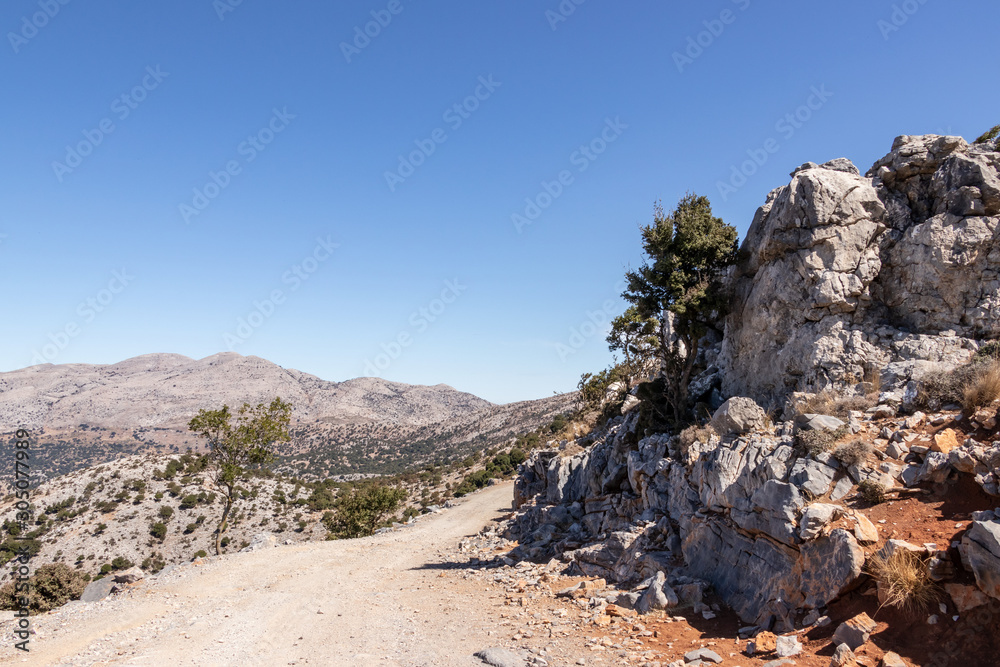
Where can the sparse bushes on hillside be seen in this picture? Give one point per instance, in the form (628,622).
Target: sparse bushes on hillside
(51,586)
(158,530)
(362,510)
(691,435)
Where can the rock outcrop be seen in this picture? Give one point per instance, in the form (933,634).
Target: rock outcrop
(842,274)
(732,516)
(844,280)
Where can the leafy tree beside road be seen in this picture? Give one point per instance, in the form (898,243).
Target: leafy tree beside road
(239,444)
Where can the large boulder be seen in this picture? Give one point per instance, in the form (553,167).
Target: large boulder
(738,415)
(980,550)
(834,262)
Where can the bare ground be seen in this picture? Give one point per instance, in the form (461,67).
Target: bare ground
(372,601)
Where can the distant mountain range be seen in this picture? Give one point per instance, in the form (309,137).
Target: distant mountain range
(87,414)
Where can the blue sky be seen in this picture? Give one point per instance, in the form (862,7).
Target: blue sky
(199,176)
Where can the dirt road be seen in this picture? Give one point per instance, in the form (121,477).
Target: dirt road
(372,601)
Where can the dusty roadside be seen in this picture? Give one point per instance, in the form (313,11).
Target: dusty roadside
(372,601)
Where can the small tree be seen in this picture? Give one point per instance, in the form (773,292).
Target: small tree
(239,445)
(681,285)
(636,338)
(360,512)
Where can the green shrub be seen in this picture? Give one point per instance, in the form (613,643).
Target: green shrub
(166,512)
(158,530)
(989,135)
(121,563)
(190,528)
(363,509)
(200,554)
(52,586)
(106,568)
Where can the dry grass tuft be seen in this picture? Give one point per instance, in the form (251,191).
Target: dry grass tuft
(984,389)
(819,441)
(831,403)
(904,580)
(854,452)
(871,492)
(693,434)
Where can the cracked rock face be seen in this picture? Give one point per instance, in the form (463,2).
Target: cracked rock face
(842,273)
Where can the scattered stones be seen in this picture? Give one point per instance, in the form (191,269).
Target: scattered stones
(499,657)
(658,596)
(98,590)
(765,642)
(261,541)
(945,441)
(703,654)
(891,659)
(788,646)
(864,530)
(855,631)
(980,551)
(814,422)
(965,597)
(843,656)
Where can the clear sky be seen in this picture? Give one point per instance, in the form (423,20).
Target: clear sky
(170,170)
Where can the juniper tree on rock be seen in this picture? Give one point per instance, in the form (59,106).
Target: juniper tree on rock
(636,338)
(239,444)
(680,284)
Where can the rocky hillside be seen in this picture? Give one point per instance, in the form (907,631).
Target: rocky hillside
(858,301)
(166,390)
(83,415)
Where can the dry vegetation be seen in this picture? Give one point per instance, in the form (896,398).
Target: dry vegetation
(871,492)
(854,452)
(903,579)
(974,385)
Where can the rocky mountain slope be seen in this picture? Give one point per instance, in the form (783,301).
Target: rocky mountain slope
(84,415)
(166,390)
